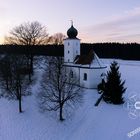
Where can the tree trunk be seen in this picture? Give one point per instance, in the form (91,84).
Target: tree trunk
(30,80)
(7,85)
(20,105)
(31,64)
(99,100)
(61,113)
(18,89)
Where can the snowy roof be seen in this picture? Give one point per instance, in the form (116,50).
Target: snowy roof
(97,61)
(91,59)
(85,59)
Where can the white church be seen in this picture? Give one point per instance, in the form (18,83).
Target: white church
(88,68)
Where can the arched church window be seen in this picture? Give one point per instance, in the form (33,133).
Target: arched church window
(68,60)
(68,43)
(68,51)
(85,76)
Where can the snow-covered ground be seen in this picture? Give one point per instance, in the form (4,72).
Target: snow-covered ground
(105,122)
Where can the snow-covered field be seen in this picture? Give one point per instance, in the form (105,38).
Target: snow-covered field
(105,122)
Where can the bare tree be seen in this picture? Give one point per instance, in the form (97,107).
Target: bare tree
(57,39)
(29,33)
(14,81)
(59,90)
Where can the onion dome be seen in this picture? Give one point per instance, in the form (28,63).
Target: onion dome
(72,32)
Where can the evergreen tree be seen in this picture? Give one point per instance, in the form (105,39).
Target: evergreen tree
(114,86)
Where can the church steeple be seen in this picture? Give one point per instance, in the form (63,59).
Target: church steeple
(71,45)
(72,32)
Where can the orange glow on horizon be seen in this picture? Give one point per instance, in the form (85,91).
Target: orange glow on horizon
(1,40)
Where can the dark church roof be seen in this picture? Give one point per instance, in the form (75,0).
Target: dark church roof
(72,32)
(85,59)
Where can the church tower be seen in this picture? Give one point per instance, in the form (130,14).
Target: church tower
(71,45)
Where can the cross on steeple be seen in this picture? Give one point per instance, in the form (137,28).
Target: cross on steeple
(71,22)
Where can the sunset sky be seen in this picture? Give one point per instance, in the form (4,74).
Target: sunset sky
(96,20)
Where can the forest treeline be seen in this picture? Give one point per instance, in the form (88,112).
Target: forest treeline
(129,51)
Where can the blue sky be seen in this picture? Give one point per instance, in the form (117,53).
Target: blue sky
(96,20)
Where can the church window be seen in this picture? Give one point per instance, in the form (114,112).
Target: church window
(68,43)
(68,51)
(85,76)
(68,60)
(76,52)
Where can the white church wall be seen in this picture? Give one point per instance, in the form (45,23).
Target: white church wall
(71,49)
(76,48)
(95,77)
(84,82)
(76,72)
(73,72)
(68,51)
